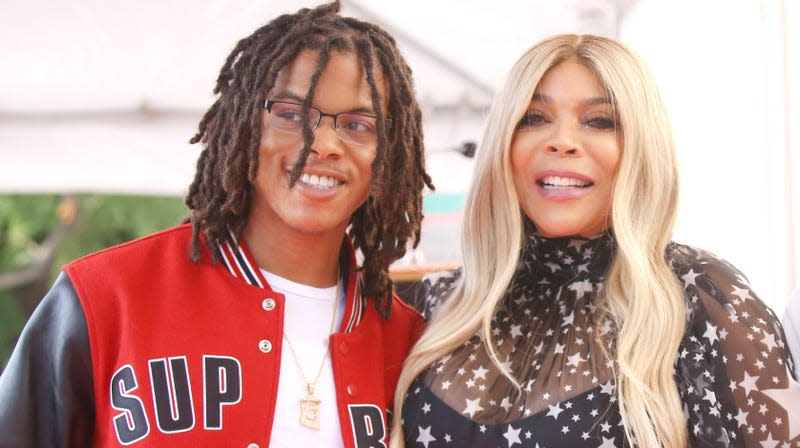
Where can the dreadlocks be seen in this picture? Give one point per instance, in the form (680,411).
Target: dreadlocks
(230,132)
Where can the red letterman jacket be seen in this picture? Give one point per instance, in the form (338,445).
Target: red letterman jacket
(186,354)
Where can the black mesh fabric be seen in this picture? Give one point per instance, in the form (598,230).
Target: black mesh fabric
(732,369)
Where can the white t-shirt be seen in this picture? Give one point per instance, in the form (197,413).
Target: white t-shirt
(307,319)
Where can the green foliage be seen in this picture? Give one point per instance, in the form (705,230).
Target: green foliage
(25,221)
(11,320)
(109,220)
(103,220)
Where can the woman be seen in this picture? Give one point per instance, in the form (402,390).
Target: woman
(574,320)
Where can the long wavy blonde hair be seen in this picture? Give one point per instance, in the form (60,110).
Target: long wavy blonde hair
(641,295)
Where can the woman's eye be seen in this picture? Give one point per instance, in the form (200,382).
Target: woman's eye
(530,120)
(601,123)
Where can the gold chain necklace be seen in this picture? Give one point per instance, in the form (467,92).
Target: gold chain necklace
(309,406)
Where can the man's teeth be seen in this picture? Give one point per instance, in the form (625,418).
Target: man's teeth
(562,182)
(319,181)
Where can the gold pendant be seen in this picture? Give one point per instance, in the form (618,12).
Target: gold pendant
(309,410)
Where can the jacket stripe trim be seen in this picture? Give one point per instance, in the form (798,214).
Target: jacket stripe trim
(359,306)
(225,261)
(243,263)
(238,265)
(354,314)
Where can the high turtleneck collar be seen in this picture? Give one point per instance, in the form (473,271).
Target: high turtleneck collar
(568,257)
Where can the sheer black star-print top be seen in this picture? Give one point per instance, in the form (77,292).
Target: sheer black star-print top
(733,369)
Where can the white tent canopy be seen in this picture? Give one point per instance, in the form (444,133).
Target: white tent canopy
(103,96)
(114,90)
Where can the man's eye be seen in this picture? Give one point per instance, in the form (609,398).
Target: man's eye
(290,115)
(531,120)
(287,112)
(358,125)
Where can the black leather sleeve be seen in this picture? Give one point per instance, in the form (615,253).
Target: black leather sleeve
(46,397)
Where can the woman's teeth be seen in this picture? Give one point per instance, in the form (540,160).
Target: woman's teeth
(562,182)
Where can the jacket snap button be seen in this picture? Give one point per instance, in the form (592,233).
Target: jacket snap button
(352,390)
(268,304)
(265,346)
(344,348)
(252,445)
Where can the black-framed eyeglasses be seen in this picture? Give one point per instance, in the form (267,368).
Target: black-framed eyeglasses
(352,128)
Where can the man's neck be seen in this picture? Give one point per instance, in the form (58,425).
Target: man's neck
(309,259)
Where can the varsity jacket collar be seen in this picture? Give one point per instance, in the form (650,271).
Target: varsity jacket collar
(239,262)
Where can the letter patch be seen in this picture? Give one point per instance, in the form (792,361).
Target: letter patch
(369,428)
(131,425)
(172,394)
(222,385)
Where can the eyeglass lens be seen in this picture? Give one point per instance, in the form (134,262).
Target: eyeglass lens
(352,128)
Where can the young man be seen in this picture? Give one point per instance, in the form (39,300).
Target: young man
(177,339)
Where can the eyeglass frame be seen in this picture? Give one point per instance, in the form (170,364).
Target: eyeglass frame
(268,103)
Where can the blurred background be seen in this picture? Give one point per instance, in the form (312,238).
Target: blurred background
(98,100)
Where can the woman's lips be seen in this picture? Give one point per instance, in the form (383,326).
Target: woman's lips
(563,186)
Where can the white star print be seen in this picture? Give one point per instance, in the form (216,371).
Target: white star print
(742,293)
(710,397)
(512,435)
(506,404)
(788,399)
(555,410)
(577,244)
(480,372)
(769,442)
(711,333)
(581,288)
(516,331)
(689,277)
(575,359)
(473,406)
(749,383)
(553,266)
(426,408)
(608,443)
(769,341)
(425,436)
(607,388)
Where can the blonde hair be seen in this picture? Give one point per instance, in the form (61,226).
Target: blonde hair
(641,295)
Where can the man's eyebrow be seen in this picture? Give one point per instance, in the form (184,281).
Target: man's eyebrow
(289,95)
